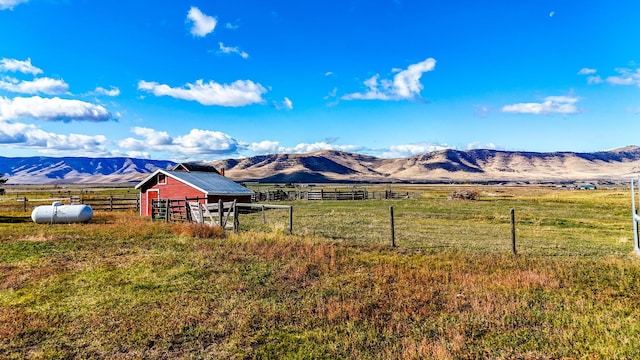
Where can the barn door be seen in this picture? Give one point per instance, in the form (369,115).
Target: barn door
(151,195)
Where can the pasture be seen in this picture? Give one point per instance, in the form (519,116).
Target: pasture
(125,287)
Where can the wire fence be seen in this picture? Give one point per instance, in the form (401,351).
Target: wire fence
(468,226)
(598,225)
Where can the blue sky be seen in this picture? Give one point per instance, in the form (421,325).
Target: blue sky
(206,80)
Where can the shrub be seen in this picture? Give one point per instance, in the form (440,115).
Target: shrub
(200,231)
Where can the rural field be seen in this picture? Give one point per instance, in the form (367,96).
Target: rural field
(125,287)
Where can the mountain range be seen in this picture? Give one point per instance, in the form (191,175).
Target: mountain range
(336,166)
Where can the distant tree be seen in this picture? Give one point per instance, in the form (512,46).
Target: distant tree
(2,181)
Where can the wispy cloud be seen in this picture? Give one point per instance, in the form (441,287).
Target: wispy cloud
(10,4)
(480,145)
(201,24)
(587,71)
(405,85)
(625,77)
(51,109)
(238,93)
(551,105)
(286,104)
(44,85)
(232,50)
(594,79)
(22,66)
(112,91)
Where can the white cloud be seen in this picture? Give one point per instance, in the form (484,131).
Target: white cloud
(22,66)
(10,4)
(407,83)
(202,24)
(51,109)
(232,50)
(238,93)
(264,147)
(406,150)
(594,79)
(479,145)
(587,71)
(44,85)
(206,142)
(286,104)
(404,86)
(373,91)
(113,91)
(231,26)
(153,137)
(552,13)
(551,105)
(196,142)
(626,77)
(304,148)
(11,133)
(21,135)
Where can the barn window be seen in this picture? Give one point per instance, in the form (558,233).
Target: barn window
(162,179)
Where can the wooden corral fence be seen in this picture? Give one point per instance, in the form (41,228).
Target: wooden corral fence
(109,202)
(97,202)
(225,214)
(274,195)
(336,195)
(322,194)
(194,210)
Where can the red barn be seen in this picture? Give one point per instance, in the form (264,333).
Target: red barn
(189,181)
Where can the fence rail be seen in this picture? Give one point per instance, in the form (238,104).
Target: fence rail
(97,202)
(109,203)
(328,195)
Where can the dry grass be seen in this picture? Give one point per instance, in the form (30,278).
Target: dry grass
(124,287)
(199,231)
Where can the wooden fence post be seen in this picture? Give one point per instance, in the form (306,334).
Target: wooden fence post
(291,220)
(236,217)
(110,202)
(513,231)
(393,228)
(24,203)
(220,212)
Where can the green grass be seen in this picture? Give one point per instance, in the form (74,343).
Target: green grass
(124,287)
(548,222)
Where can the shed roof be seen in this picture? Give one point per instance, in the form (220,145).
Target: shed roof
(209,183)
(193,166)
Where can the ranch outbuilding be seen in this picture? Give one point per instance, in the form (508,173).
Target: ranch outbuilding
(189,181)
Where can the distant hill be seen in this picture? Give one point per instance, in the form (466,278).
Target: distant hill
(336,166)
(438,166)
(81,170)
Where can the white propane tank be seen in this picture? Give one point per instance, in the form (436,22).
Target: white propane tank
(57,213)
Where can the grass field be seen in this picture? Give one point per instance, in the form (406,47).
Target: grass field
(124,287)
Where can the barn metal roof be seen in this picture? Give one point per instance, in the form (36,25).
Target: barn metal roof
(208,182)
